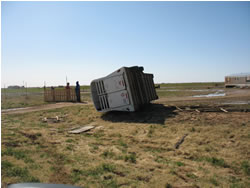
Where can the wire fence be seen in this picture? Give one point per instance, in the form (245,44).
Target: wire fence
(22,97)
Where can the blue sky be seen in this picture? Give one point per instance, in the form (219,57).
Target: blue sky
(176,41)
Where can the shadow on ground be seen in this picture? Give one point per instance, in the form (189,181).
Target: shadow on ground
(151,113)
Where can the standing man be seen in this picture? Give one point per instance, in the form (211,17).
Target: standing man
(77,89)
(53,93)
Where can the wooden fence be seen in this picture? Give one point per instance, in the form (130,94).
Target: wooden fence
(60,95)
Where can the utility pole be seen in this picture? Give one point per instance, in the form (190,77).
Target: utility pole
(26,89)
(23,90)
(5,92)
(44,90)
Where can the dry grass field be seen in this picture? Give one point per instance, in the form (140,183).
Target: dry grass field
(135,149)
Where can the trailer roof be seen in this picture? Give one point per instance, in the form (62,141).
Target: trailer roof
(239,74)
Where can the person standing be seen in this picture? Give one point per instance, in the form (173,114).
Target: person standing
(77,89)
(53,94)
(67,92)
(67,87)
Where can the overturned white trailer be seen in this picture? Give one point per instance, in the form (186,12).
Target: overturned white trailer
(126,89)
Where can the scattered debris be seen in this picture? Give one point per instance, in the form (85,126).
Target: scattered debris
(219,93)
(201,109)
(177,145)
(197,110)
(178,108)
(55,119)
(99,127)
(82,129)
(73,128)
(223,110)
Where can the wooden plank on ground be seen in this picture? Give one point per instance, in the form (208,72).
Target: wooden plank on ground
(178,108)
(177,145)
(82,129)
(197,110)
(222,109)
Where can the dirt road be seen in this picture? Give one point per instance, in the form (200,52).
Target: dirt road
(42,107)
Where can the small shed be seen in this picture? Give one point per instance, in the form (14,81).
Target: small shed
(238,80)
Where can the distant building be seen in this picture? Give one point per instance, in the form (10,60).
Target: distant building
(15,87)
(238,80)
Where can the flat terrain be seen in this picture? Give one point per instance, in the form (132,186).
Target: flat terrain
(133,149)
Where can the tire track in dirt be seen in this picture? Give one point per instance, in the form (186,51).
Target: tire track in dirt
(42,107)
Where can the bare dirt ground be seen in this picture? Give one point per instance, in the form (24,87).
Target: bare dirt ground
(41,107)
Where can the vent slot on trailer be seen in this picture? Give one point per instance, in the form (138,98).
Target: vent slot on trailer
(104,102)
(102,96)
(100,87)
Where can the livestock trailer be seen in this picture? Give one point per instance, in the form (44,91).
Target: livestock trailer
(126,89)
(238,80)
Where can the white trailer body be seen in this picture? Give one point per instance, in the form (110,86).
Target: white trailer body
(126,89)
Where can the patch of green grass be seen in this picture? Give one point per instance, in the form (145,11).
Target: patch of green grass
(234,180)
(214,181)
(236,167)
(35,166)
(108,167)
(108,154)
(19,101)
(18,154)
(216,162)
(93,147)
(236,185)
(70,140)
(130,158)
(110,183)
(99,134)
(122,143)
(53,168)
(119,157)
(168,185)
(6,165)
(10,170)
(76,175)
(245,166)
(99,170)
(162,160)
(38,134)
(70,147)
(178,163)
(154,150)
